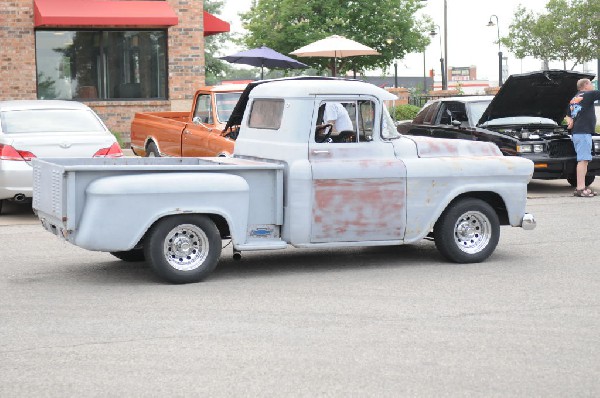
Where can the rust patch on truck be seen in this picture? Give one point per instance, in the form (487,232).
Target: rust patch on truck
(439,147)
(358,210)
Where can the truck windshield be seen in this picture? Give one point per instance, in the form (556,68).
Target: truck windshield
(225,104)
(388,129)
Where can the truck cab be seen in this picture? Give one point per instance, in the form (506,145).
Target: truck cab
(195,133)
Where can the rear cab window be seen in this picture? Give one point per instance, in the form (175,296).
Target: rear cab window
(266,114)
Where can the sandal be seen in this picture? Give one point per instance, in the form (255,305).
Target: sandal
(584,193)
(588,189)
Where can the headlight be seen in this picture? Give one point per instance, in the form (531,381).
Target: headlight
(537,148)
(524,148)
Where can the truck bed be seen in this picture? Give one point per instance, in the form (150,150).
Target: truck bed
(60,185)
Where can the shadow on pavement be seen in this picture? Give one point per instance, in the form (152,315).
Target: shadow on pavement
(537,188)
(12,207)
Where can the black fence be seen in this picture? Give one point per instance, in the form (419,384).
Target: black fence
(420,100)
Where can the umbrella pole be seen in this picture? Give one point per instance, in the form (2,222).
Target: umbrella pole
(261,70)
(334,66)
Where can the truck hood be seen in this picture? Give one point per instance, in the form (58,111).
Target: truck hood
(428,147)
(543,94)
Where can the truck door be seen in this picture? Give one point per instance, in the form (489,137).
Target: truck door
(194,139)
(359,186)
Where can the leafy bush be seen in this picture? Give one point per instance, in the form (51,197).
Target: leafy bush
(119,138)
(404,112)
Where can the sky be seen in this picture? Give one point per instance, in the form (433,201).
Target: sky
(470,40)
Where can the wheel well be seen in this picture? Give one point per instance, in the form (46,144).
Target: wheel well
(221,224)
(491,198)
(219,221)
(150,141)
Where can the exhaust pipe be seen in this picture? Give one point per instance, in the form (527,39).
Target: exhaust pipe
(19,197)
(237,255)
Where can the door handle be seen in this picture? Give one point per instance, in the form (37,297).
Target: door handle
(186,131)
(320,151)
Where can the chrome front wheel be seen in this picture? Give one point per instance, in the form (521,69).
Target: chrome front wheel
(472,232)
(468,231)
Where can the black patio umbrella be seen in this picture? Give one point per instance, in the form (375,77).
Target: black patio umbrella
(264,57)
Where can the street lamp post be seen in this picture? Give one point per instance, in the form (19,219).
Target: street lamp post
(389,41)
(445,75)
(491,23)
(444,71)
(424,74)
(442,61)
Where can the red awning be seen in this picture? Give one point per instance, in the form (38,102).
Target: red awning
(214,25)
(103,13)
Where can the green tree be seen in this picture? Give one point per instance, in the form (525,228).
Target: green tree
(286,25)
(214,67)
(568,31)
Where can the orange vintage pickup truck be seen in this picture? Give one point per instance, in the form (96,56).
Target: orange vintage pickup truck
(188,134)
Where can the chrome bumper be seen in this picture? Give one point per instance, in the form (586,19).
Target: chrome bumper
(528,222)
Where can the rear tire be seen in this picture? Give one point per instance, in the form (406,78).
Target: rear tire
(152,151)
(468,231)
(183,248)
(588,180)
(134,255)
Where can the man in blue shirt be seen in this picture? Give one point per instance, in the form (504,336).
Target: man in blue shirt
(581,120)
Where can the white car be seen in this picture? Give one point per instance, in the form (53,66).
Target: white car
(46,129)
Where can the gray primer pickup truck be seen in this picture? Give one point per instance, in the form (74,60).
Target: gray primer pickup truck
(292,180)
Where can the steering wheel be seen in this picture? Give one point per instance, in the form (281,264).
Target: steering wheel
(232,133)
(346,136)
(323,132)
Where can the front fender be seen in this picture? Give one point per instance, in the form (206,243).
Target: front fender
(434,183)
(120,209)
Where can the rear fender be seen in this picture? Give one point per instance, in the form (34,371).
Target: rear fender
(119,210)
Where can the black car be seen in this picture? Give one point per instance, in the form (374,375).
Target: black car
(523,119)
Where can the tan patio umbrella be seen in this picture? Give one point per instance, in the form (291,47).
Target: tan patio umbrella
(335,47)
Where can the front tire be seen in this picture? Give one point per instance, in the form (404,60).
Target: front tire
(183,248)
(468,231)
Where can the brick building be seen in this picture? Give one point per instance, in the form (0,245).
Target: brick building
(117,56)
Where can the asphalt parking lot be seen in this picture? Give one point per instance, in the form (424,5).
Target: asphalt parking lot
(389,321)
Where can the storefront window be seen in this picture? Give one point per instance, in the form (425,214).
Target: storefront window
(107,65)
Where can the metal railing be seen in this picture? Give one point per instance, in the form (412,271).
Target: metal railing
(420,100)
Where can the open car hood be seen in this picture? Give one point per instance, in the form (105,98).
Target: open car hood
(544,94)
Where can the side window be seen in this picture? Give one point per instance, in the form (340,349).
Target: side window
(345,121)
(266,114)
(453,111)
(203,109)
(458,112)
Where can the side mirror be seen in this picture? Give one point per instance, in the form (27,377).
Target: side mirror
(196,120)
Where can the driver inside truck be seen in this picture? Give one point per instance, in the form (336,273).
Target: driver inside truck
(333,115)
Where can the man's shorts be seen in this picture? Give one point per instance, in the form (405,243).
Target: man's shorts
(583,146)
